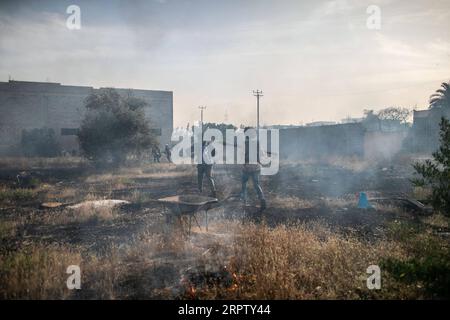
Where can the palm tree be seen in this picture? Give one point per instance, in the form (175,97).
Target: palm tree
(441,98)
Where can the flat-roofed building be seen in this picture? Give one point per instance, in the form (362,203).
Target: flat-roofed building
(424,137)
(28,105)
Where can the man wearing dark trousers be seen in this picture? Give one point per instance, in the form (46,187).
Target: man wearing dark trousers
(205,168)
(168,153)
(156,154)
(251,171)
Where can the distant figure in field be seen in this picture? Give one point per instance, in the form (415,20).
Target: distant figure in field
(168,153)
(205,168)
(156,154)
(251,171)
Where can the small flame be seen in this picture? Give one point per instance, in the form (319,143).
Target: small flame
(192,291)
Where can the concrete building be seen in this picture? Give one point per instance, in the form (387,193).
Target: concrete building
(29,105)
(424,135)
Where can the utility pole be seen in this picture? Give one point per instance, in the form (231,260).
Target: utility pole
(201,117)
(257,94)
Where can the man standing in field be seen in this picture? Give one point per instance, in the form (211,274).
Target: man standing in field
(205,168)
(156,154)
(168,153)
(252,171)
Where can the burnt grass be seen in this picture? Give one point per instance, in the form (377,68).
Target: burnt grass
(311,182)
(314,183)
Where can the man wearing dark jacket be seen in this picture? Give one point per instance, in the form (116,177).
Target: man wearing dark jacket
(168,153)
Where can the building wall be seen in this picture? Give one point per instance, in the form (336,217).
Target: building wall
(323,141)
(424,135)
(347,140)
(28,105)
(383,145)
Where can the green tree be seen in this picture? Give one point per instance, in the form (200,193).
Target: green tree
(441,98)
(436,173)
(114,127)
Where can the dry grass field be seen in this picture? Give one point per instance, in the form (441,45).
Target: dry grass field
(312,242)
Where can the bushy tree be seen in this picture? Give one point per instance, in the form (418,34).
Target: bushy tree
(39,142)
(436,173)
(394,113)
(114,127)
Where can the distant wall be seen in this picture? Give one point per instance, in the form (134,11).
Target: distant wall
(345,140)
(323,141)
(424,134)
(383,145)
(28,105)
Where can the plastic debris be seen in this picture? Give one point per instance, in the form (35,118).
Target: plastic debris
(363,202)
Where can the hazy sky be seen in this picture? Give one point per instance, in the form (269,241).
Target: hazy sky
(314,60)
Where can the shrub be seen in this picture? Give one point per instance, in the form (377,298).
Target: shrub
(428,262)
(436,173)
(114,128)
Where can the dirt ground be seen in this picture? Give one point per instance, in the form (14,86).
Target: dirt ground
(132,252)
